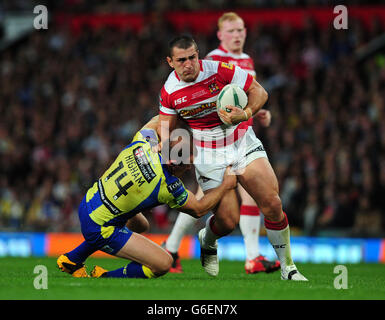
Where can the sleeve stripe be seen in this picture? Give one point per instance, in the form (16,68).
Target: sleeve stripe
(167,111)
(249,81)
(185,200)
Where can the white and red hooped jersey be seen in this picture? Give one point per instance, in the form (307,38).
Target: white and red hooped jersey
(195,101)
(242,60)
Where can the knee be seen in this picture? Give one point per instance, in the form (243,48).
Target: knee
(163,265)
(138,224)
(144,226)
(271,206)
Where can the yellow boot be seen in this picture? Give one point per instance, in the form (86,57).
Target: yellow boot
(98,272)
(77,270)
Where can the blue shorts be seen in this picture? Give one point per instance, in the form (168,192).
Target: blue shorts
(108,239)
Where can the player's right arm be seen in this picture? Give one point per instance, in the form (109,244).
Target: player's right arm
(198,208)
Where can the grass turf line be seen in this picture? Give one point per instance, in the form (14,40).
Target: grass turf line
(365,281)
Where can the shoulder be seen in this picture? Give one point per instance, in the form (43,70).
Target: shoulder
(244,55)
(210,66)
(216,52)
(170,84)
(147,134)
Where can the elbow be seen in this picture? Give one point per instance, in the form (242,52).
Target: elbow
(265,95)
(195,213)
(200,213)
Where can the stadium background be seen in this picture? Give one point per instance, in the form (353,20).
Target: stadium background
(72,95)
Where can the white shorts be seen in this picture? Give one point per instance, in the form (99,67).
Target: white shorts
(210,163)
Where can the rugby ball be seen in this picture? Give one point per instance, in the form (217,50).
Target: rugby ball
(233,95)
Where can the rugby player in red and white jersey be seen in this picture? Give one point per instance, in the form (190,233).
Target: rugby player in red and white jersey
(232,36)
(190,92)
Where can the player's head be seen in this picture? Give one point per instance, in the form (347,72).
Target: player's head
(184,58)
(231,32)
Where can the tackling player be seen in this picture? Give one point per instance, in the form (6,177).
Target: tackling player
(137,180)
(191,92)
(232,36)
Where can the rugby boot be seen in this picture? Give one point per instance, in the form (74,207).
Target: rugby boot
(291,273)
(261,264)
(209,256)
(98,272)
(176,266)
(77,270)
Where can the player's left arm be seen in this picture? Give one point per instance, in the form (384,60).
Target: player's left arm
(257,97)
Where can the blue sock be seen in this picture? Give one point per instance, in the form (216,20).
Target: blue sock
(81,253)
(132,270)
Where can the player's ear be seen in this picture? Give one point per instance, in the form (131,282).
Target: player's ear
(169,61)
(219,35)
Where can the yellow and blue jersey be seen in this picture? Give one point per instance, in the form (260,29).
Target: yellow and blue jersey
(137,180)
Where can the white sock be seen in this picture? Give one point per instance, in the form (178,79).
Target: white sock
(249,223)
(209,237)
(250,226)
(278,234)
(280,240)
(183,224)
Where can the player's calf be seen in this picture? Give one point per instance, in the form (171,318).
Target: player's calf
(131,270)
(226,215)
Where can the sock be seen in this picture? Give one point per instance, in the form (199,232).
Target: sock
(183,224)
(210,235)
(249,223)
(132,270)
(81,252)
(278,234)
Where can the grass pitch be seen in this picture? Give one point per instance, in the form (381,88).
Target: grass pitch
(365,282)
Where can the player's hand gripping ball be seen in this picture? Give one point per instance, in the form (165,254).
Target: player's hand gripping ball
(231,95)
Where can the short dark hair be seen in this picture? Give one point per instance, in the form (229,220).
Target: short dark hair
(182,42)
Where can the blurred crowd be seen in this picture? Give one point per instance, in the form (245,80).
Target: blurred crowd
(144,6)
(69,104)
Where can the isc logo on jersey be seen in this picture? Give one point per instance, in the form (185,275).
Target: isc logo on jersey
(232,95)
(180,100)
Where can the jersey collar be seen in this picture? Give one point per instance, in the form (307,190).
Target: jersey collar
(223,49)
(230,53)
